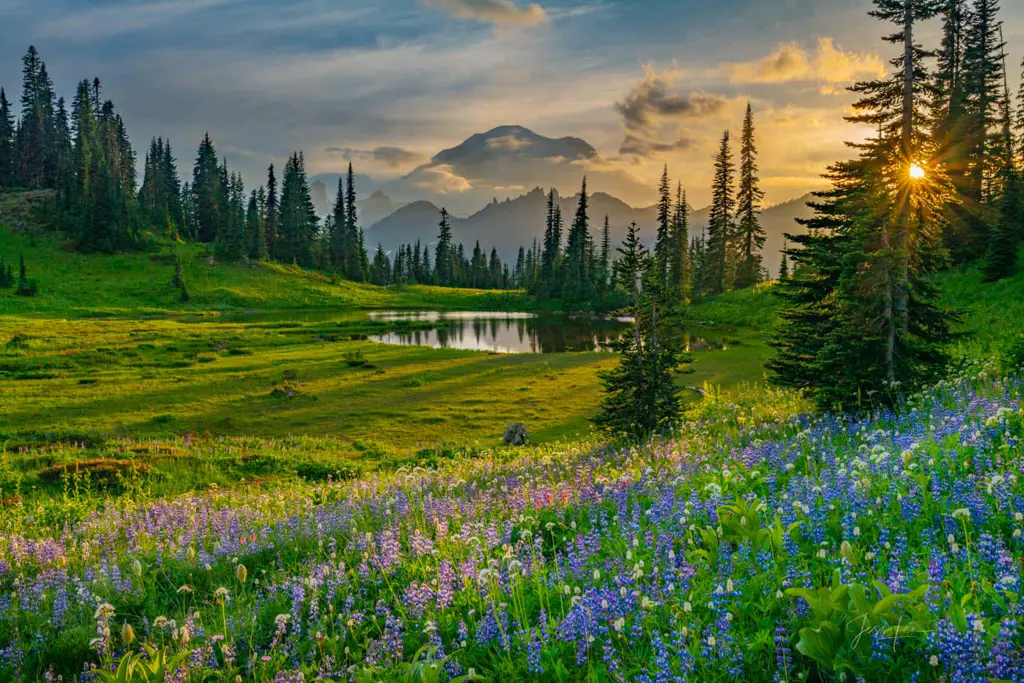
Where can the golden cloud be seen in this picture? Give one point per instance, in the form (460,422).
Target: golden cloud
(503,13)
(829,65)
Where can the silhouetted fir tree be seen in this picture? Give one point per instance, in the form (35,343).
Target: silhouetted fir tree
(950,122)
(680,269)
(496,275)
(750,236)
(443,254)
(577,287)
(1019,126)
(338,234)
(720,224)
(698,264)
(8,146)
(208,190)
(983,84)
(604,263)
(517,274)
(663,242)
(355,257)
(551,256)
(271,213)
(380,269)
(784,264)
(641,395)
(255,237)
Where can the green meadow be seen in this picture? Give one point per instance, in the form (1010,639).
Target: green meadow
(106,350)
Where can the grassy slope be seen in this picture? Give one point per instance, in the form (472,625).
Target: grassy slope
(159,377)
(69,374)
(75,285)
(992,312)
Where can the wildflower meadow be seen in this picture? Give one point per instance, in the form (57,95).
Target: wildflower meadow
(884,548)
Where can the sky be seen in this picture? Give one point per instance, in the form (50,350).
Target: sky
(389,83)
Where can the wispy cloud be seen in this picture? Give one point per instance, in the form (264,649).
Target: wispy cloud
(789,62)
(111,20)
(502,13)
(390,158)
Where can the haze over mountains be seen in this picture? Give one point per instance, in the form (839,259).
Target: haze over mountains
(496,170)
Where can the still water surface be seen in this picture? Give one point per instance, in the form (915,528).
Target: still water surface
(496,332)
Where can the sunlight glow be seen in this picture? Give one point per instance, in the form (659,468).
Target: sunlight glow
(916,172)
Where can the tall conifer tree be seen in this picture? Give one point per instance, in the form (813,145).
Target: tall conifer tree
(720,223)
(8,148)
(750,235)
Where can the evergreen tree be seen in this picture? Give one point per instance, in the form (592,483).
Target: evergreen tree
(297,221)
(8,148)
(663,244)
(679,272)
(642,397)
(255,234)
(380,270)
(99,202)
(784,265)
(160,194)
(720,224)
(983,73)
(178,280)
(860,323)
(355,257)
(750,235)
(209,191)
(698,264)
(6,275)
(271,213)
(604,269)
(1007,233)
(36,113)
(518,274)
(26,287)
(338,235)
(577,287)
(551,257)
(496,274)
(443,254)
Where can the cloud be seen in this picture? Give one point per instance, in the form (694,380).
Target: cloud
(502,13)
(390,157)
(115,19)
(441,179)
(789,62)
(653,111)
(636,146)
(653,100)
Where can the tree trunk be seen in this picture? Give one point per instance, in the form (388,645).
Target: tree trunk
(903,238)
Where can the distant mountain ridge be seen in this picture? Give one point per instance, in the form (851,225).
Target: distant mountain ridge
(495,170)
(504,162)
(507,225)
